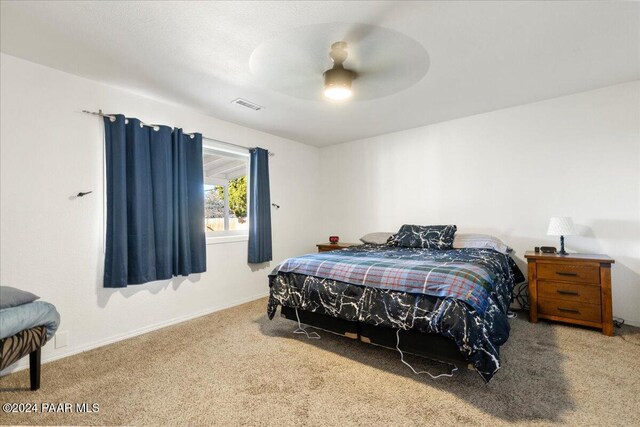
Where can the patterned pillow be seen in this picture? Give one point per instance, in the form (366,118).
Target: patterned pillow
(424,236)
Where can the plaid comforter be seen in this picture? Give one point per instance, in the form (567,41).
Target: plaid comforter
(448,274)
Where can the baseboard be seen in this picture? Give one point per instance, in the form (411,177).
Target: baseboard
(24,363)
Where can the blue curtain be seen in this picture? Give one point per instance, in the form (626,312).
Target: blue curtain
(259,207)
(155,203)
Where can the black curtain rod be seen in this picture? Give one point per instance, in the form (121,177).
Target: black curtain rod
(113,118)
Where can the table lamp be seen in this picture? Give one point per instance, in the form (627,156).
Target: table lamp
(561,226)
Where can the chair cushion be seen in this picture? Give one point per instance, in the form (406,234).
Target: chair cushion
(17,346)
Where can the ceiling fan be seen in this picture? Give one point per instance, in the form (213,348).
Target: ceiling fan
(337,80)
(381,61)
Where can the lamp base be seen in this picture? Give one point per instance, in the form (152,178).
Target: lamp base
(562,251)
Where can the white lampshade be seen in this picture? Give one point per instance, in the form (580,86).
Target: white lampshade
(561,226)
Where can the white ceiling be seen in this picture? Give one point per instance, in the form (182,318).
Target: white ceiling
(482,56)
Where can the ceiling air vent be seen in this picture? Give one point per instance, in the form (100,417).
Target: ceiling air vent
(248,104)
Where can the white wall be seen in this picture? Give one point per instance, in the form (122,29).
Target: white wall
(506,173)
(52,244)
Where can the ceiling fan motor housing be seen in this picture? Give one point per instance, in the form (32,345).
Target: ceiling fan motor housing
(338,76)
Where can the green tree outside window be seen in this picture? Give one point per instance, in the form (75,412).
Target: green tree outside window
(237,197)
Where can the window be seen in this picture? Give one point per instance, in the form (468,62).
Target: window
(225,191)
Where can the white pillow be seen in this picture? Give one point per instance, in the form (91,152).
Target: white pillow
(483,241)
(379,238)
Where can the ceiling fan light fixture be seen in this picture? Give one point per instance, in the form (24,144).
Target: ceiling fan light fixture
(337,83)
(337,80)
(338,93)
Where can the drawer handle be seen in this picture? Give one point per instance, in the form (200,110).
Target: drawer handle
(566,273)
(569,310)
(560,291)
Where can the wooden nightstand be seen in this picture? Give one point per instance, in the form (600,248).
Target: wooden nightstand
(326,247)
(574,288)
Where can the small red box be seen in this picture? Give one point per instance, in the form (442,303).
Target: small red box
(334,239)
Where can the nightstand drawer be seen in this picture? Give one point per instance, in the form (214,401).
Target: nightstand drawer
(578,273)
(569,292)
(569,309)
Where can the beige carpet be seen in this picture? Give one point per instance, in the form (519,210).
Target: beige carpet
(236,367)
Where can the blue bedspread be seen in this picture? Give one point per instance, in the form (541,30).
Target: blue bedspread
(27,316)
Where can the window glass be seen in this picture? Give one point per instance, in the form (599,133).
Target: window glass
(225,192)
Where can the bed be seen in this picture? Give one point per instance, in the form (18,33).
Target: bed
(449,304)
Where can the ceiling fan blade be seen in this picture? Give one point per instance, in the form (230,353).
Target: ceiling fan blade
(384,12)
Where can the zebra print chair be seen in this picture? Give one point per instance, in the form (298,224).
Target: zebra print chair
(29,341)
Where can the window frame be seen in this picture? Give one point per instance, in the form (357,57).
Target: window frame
(227,236)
